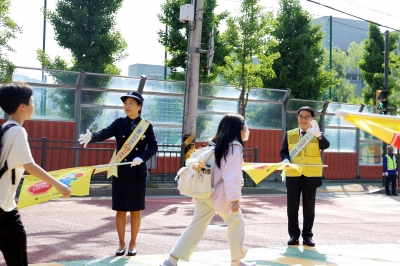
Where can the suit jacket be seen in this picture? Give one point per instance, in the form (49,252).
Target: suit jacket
(312,182)
(121,129)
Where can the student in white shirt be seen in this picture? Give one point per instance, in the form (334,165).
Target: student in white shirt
(16,100)
(231,133)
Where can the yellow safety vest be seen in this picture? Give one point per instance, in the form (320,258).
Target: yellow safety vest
(391,164)
(309,155)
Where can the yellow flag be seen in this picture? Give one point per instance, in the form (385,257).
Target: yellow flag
(34,190)
(384,127)
(260,171)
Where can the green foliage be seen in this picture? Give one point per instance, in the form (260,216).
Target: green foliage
(372,62)
(175,42)
(87,30)
(342,90)
(394,97)
(265,116)
(355,54)
(248,37)
(302,56)
(9,29)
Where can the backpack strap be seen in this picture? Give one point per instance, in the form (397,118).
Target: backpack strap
(5,167)
(236,142)
(3,129)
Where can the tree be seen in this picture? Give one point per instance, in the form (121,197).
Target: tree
(394,65)
(372,63)
(248,37)
(355,53)
(87,29)
(9,29)
(342,90)
(300,66)
(175,41)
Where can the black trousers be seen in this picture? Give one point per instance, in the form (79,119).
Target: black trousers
(390,178)
(293,204)
(13,238)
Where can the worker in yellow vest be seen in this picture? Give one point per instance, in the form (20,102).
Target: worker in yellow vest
(303,146)
(390,170)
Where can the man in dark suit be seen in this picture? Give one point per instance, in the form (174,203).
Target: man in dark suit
(304,183)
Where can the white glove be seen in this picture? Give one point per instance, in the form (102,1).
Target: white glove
(314,129)
(85,138)
(386,173)
(136,161)
(286,161)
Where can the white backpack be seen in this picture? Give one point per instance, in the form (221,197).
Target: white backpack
(197,183)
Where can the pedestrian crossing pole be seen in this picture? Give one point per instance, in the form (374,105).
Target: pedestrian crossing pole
(192,80)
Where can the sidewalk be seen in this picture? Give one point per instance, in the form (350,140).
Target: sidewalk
(327,255)
(348,230)
(104,190)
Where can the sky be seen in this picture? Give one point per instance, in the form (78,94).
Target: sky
(137,21)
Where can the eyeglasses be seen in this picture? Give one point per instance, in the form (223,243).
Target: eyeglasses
(307,117)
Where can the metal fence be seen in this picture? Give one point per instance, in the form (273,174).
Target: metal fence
(60,154)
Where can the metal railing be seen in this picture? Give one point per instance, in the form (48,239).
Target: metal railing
(60,154)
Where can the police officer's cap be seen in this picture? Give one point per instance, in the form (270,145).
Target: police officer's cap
(134,95)
(390,147)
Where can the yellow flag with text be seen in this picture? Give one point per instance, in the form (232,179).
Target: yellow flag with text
(34,190)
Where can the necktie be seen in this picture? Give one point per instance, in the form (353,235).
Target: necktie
(133,125)
(303,133)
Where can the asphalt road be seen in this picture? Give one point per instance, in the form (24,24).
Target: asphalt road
(350,229)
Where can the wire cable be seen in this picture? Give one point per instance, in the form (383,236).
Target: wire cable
(324,17)
(377,11)
(340,11)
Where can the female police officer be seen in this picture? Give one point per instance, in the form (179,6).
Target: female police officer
(136,142)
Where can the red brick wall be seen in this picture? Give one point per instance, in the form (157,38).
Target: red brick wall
(371,172)
(269,143)
(341,166)
(54,130)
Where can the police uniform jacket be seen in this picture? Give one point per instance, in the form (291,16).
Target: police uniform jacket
(146,147)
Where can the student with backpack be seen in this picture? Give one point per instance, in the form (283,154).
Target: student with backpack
(228,141)
(16,157)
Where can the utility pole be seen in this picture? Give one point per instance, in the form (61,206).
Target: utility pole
(386,78)
(165,56)
(192,80)
(165,52)
(330,52)
(43,97)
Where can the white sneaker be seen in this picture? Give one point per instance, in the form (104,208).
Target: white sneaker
(167,263)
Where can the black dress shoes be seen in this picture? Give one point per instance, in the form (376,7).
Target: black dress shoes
(120,252)
(308,241)
(395,194)
(293,241)
(131,252)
